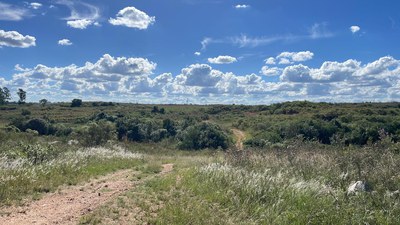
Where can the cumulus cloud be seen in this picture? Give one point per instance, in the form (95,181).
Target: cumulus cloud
(82,14)
(64,42)
(354,29)
(132,80)
(12,12)
(270,61)
(296,73)
(296,56)
(133,18)
(197,53)
(80,24)
(242,6)
(270,71)
(36,5)
(15,39)
(222,59)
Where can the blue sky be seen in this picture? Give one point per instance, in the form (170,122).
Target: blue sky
(201,51)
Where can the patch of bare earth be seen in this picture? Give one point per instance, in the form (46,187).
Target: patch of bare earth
(69,204)
(240,135)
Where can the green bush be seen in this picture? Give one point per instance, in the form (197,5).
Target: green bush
(203,135)
(76,103)
(97,133)
(39,125)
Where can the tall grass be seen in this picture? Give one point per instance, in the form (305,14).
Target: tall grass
(301,184)
(22,175)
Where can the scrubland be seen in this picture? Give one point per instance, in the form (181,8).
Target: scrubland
(295,165)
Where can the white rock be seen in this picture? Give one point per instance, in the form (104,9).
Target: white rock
(358,186)
(73,142)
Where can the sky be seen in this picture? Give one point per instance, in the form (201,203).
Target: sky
(201,51)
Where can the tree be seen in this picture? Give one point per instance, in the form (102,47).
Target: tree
(4,95)
(22,96)
(76,103)
(43,102)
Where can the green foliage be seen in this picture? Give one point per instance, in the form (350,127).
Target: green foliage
(157,110)
(5,95)
(97,133)
(203,135)
(39,125)
(22,96)
(76,103)
(38,154)
(43,102)
(25,112)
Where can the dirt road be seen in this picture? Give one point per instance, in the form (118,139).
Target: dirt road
(69,204)
(240,136)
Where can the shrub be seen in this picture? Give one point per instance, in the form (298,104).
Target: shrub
(203,135)
(25,112)
(39,125)
(98,133)
(158,135)
(76,103)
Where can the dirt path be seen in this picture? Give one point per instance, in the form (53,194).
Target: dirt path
(68,205)
(239,138)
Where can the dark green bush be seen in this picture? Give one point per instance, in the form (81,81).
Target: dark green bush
(97,133)
(203,135)
(39,125)
(76,103)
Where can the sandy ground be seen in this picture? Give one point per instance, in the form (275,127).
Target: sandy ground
(239,138)
(69,204)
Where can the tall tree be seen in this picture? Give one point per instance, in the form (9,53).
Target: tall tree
(4,95)
(22,96)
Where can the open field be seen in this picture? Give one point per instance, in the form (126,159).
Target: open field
(289,163)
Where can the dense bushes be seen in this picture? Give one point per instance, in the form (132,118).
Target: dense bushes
(203,135)
(141,130)
(97,133)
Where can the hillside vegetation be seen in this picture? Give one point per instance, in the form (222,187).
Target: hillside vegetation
(296,165)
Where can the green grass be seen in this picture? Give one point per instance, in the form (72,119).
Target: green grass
(22,179)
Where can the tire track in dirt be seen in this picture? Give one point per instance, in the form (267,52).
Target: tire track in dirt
(69,204)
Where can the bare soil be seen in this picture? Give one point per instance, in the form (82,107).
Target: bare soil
(69,204)
(240,136)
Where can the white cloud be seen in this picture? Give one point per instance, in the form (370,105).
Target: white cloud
(80,24)
(316,31)
(296,73)
(12,12)
(270,61)
(197,53)
(64,42)
(36,5)
(320,30)
(131,80)
(199,75)
(285,58)
(291,57)
(271,71)
(133,18)
(19,68)
(242,6)
(15,39)
(284,61)
(82,14)
(354,29)
(222,59)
